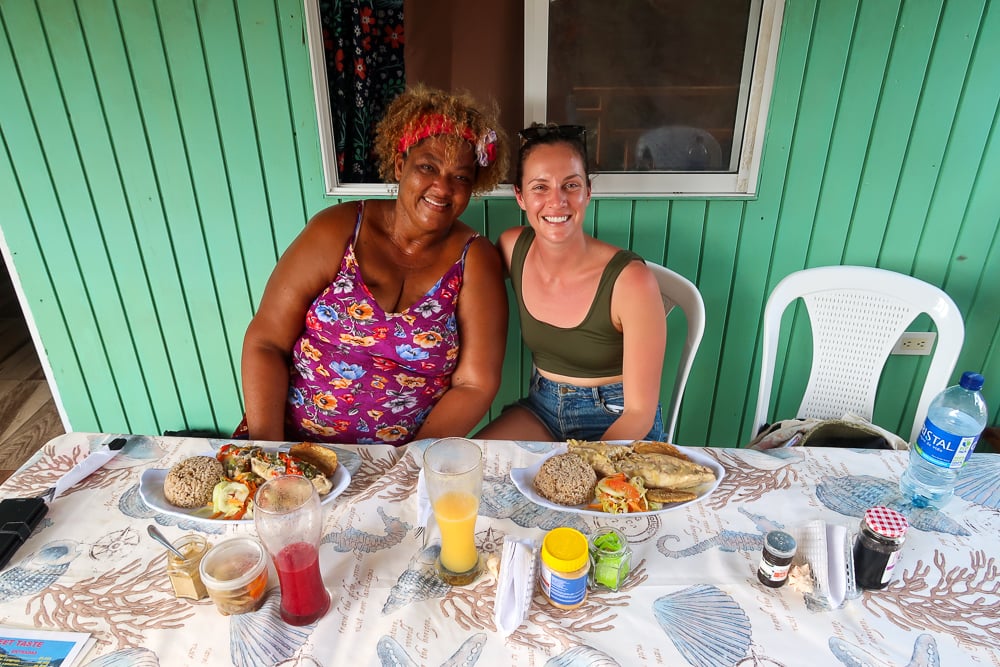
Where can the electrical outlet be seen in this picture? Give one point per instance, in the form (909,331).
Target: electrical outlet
(915,342)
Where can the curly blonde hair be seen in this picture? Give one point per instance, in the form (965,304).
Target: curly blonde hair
(410,112)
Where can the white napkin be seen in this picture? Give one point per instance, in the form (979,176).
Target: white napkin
(824,547)
(515,583)
(424,507)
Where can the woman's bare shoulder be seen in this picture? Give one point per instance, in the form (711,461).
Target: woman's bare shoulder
(335,220)
(506,241)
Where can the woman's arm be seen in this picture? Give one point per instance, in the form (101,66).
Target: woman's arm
(482,335)
(308,265)
(637,305)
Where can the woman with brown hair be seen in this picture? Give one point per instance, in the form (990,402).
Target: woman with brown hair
(591,313)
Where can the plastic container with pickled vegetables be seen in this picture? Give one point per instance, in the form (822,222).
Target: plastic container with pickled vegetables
(235,574)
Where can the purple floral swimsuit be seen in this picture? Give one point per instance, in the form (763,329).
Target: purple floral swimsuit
(360,374)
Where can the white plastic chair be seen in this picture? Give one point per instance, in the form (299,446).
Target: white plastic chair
(677,290)
(857,314)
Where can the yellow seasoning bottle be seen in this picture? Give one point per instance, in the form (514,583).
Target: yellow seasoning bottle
(183,572)
(562,573)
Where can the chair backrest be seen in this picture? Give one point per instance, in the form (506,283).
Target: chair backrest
(677,290)
(857,314)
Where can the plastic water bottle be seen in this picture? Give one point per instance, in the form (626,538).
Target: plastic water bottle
(955,419)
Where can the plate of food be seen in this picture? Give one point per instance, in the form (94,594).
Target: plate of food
(601,478)
(219,486)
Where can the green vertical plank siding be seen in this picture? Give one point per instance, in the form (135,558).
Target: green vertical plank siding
(231,102)
(735,390)
(720,242)
(225,296)
(259,36)
(156,157)
(31,101)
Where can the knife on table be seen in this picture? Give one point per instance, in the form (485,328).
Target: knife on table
(94,460)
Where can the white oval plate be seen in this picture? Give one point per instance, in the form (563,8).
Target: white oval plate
(524,478)
(151,491)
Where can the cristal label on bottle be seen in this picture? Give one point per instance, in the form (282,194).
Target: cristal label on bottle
(944,449)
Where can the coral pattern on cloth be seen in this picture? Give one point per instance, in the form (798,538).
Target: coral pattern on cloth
(360,374)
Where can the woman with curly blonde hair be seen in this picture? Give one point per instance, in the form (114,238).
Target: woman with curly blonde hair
(386,319)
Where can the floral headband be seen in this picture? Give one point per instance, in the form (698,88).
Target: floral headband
(434,125)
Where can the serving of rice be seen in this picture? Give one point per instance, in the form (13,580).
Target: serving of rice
(566,479)
(189,484)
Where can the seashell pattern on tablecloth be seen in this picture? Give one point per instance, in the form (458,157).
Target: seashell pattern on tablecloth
(706,625)
(39,570)
(582,656)
(853,494)
(131,504)
(418,582)
(537,447)
(502,500)
(925,653)
(392,654)
(262,638)
(138,450)
(979,481)
(126,657)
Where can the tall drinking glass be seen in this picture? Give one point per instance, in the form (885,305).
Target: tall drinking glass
(453,470)
(288,518)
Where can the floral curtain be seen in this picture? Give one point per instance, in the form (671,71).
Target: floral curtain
(363,40)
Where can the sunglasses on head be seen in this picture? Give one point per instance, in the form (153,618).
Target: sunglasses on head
(538,132)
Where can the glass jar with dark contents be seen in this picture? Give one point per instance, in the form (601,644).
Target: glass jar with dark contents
(776,559)
(877,547)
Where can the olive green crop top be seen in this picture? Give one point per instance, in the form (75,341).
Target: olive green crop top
(592,349)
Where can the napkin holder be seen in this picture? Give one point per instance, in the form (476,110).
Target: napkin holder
(515,583)
(827,550)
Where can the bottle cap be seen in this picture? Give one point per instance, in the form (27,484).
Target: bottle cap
(780,543)
(565,549)
(886,522)
(972,381)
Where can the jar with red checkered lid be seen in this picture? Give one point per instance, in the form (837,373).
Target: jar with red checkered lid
(877,547)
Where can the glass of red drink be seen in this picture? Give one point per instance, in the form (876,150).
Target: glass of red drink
(289,520)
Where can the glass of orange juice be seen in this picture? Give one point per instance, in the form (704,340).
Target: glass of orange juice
(453,470)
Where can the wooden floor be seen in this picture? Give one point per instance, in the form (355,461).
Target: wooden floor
(28,415)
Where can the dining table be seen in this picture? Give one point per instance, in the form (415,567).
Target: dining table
(691,597)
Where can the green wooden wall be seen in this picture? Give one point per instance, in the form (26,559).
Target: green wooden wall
(158,155)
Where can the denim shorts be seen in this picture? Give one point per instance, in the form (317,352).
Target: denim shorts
(583,413)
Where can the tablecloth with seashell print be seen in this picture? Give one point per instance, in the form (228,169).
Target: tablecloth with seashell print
(692,597)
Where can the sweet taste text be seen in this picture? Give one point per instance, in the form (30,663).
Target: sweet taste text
(21,642)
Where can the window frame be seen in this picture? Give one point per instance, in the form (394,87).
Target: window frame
(755,100)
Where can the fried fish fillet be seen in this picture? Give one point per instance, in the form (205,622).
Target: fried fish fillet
(662,471)
(599,455)
(610,451)
(659,464)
